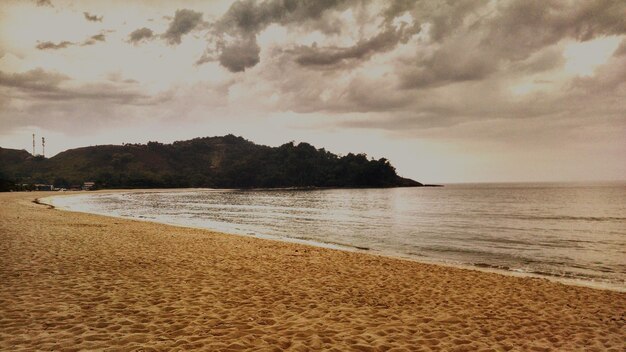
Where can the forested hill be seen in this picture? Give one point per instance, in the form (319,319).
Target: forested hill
(217,162)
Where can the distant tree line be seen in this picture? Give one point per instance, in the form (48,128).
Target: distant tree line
(216,162)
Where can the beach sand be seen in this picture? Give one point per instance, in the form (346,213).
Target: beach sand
(71,281)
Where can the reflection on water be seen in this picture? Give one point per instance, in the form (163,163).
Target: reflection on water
(565,230)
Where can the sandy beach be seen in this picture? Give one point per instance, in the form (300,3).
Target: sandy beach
(73,281)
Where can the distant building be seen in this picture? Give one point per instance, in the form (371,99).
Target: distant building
(42,187)
(87,186)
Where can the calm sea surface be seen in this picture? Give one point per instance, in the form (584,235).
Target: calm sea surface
(570,231)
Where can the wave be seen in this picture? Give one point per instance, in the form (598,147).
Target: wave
(565,217)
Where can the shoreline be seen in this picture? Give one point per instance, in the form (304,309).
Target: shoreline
(600,285)
(82,281)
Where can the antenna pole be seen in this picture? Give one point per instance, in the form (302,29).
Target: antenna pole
(33,144)
(43,147)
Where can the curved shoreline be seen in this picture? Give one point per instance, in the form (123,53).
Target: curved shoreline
(78,281)
(343,247)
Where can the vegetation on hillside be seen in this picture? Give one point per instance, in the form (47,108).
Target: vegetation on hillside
(217,162)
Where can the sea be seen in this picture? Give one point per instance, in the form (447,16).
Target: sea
(570,232)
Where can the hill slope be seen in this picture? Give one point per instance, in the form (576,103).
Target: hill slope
(219,162)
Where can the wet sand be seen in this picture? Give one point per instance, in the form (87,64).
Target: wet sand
(71,281)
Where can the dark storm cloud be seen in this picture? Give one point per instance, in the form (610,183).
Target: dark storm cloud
(444,17)
(92,18)
(250,17)
(382,42)
(450,64)
(447,18)
(50,45)
(247,18)
(44,3)
(472,50)
(240,55)
(140,34)
(397,8)
(522,27)
(184,21)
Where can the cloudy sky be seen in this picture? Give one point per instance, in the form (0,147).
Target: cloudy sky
(449,91)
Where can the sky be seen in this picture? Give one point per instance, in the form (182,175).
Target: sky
(448,91)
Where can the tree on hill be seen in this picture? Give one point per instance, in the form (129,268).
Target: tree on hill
(217,162)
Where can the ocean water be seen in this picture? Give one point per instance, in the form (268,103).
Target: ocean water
(575,232)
